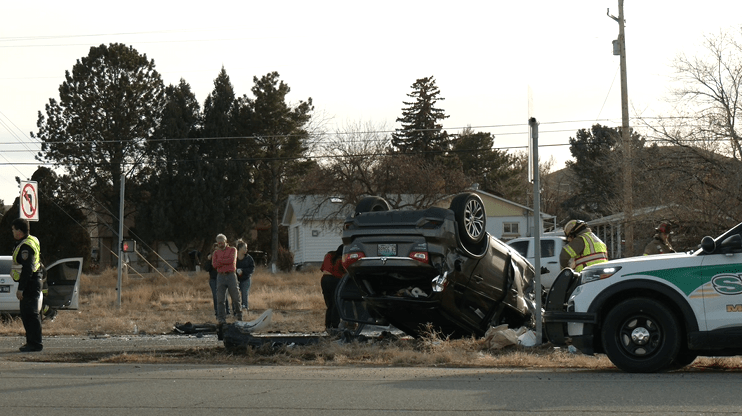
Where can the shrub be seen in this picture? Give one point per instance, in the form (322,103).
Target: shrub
(285,259)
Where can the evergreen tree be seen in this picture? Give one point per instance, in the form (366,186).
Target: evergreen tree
(597,167)
(280,134)
(109,106)
(421,130)
(177,193)
(495,171)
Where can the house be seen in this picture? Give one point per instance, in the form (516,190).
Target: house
(315,222)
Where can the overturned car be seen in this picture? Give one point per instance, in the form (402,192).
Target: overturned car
(435,267)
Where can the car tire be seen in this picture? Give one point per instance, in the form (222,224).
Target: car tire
(471,219)
(641,335)
(371,204)
(684,358)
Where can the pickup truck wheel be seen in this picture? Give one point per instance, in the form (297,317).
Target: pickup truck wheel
(471,220)
(641,335)
(370,204)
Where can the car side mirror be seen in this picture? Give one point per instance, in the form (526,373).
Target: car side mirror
(708,245)
(732,244)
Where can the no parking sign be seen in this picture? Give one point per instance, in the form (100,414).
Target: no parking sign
(29,201)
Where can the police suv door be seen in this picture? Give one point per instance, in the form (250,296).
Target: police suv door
(63,280)
(722,295)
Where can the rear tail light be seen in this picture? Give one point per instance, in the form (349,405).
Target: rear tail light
(421,256)
(350,258)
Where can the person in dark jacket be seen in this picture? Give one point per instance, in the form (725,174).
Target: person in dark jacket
(660,243)
(27,270)
(245,269)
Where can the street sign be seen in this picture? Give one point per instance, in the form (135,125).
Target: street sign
(29,201)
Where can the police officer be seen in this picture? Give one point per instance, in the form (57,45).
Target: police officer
(660,244)
(27,271)
(583,247)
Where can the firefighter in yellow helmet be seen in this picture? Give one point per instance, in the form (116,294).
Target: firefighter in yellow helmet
(583,247)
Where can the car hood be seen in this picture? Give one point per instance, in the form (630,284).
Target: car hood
(657,261)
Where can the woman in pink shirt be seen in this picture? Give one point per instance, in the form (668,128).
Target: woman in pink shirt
(224,261)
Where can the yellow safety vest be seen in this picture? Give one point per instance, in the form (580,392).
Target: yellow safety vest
(595,252)
(16,268)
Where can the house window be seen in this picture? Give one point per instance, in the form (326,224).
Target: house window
(510,228)
(315,233)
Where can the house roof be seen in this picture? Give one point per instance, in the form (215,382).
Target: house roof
(619,218)
(315,207)
(507,201)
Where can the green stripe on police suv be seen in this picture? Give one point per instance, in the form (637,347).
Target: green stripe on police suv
(688,279)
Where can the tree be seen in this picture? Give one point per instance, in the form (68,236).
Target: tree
(280,136)
(109,105)
(702,129)
(495,171)
(421,130)
(596,172)
(356,164)
(177,194)
(61,228)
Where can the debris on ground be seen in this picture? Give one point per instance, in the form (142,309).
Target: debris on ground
(501,336)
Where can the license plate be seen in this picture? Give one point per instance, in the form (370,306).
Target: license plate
(4,288)
(387,249)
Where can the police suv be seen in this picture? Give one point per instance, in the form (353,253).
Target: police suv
(653,313)
(62,278)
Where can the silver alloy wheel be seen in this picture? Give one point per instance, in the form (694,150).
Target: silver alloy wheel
(474,218)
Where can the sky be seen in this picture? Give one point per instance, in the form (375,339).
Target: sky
(358,60)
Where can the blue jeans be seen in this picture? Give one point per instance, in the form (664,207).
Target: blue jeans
(245,291)
(212,285)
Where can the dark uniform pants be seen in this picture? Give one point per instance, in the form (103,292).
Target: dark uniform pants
(30,313)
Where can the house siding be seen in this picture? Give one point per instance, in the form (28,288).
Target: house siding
(319,237)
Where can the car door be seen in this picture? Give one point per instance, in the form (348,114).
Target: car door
(722,294)
(486,286)
(63,280)
(550,249)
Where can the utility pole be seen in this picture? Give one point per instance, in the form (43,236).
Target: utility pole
(628,188)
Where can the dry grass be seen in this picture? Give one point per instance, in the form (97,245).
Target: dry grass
(154,304)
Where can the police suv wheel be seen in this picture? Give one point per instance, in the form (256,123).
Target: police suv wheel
(641,335)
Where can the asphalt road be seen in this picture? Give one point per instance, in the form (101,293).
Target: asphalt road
(33,388)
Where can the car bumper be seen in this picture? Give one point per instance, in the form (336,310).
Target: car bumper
(557,326)
(563,326)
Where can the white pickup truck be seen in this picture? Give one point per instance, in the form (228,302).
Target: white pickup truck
(551,246)
(653,313)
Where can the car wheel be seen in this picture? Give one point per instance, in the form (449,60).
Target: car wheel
(641,335)
(372,203)
(471,219)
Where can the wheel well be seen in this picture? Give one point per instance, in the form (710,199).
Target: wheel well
(678,310)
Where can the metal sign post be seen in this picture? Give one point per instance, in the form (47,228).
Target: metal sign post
(533,124)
